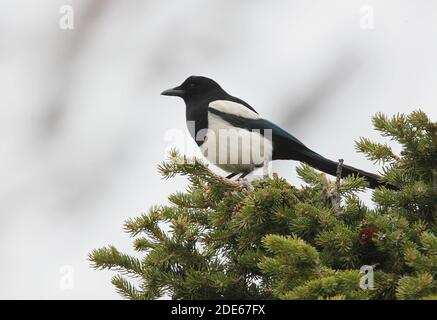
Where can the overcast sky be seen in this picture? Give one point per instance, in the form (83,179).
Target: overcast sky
(83,127)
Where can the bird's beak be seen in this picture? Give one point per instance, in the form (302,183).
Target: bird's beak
(177,92)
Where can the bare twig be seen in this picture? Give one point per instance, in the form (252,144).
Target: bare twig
(335,198)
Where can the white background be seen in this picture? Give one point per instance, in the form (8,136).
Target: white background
(82,124)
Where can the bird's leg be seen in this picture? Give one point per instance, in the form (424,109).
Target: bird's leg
(243,175)
(245,183)
(233,174)
(266,170)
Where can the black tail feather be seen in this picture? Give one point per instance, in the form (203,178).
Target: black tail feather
(330,167)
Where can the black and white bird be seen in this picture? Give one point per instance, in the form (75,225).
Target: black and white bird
(216,114)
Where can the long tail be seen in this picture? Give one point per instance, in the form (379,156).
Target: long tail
(330,167)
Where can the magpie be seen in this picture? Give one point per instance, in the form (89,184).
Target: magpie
(216,114)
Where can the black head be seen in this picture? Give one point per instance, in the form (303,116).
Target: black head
(195,87)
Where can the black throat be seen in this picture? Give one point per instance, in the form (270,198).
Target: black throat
(196,114)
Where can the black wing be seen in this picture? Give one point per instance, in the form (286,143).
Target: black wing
(285,145)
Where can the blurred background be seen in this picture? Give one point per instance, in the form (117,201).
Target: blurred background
(83,127)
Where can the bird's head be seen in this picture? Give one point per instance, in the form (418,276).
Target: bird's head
(193,88)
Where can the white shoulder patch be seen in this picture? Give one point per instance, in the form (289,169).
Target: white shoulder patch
(234,108)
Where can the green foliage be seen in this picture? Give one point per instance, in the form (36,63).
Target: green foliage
(266,239)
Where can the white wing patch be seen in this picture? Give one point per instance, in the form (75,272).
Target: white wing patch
(234,108)
(234,149)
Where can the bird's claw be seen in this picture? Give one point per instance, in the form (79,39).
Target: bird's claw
(244,183)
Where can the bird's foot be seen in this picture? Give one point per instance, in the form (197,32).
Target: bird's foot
(266,177)
(245,184)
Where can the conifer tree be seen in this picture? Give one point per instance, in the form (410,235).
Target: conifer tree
(266,239)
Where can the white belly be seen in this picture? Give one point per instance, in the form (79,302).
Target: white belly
(234,149)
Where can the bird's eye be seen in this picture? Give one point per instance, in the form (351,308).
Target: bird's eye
(192,85)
